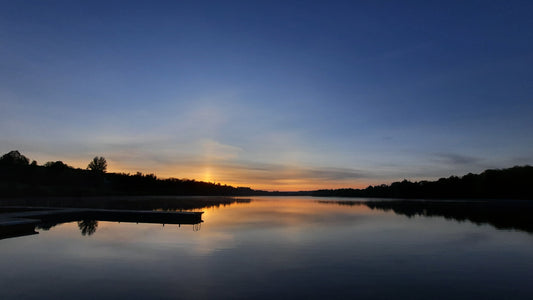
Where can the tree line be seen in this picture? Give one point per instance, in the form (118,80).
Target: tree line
(19,177)
(510,183)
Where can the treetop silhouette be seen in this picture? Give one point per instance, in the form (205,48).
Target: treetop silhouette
(98,164)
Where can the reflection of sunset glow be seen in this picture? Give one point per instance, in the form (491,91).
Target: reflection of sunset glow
(293,219)
(292,211)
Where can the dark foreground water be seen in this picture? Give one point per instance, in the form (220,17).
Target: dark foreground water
(274,248)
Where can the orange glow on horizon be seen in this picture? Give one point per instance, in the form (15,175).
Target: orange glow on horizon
(239,179)
(269,181)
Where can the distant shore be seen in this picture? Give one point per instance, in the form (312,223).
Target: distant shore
(20,178)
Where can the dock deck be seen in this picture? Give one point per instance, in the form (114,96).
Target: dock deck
(19,221)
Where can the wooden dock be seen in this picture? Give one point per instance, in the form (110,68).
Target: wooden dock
(17,221)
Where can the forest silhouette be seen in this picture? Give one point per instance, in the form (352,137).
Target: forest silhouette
(511,183)
(19,177)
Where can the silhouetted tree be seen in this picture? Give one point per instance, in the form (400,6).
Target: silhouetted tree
(14,158)
(98,164)
(56,165)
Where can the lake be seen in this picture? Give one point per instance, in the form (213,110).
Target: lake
(279,247)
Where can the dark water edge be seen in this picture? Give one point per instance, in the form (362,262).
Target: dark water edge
(126,202)
(501,214)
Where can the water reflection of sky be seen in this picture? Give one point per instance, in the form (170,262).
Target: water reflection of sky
(272,248)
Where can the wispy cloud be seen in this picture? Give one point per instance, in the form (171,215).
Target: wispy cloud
(455,159)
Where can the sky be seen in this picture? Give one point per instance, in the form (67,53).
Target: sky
(274,95)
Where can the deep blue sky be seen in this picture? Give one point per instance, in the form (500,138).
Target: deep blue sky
(275,95)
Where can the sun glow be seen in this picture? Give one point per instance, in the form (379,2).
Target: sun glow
(286,179)
(208,177)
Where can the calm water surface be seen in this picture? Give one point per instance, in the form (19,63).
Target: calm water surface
(270,248)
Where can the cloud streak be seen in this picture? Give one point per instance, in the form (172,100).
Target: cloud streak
(455,159)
